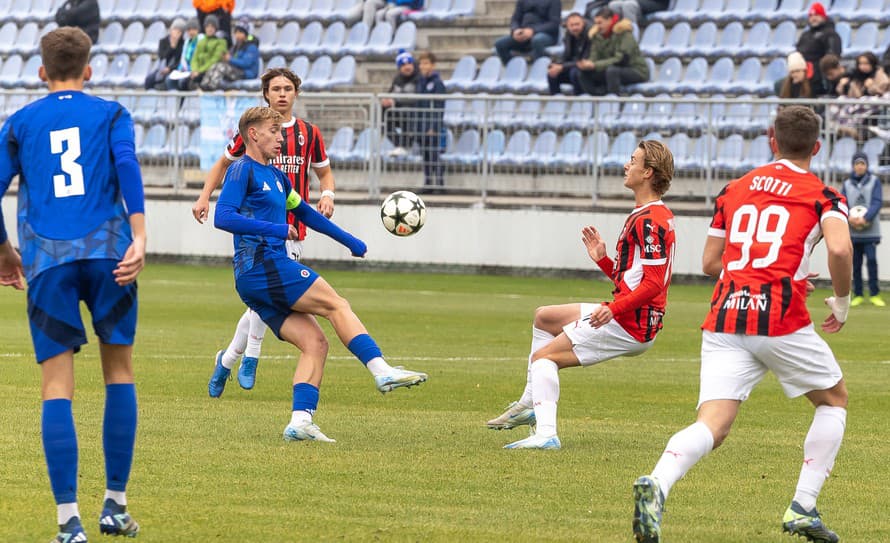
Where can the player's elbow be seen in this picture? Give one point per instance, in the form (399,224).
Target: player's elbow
(711,268)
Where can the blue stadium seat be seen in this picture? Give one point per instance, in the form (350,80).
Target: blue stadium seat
(757,42)
(167,9)
(488,75)
(759,152)
(844,10)
(356,39)
(138,136)
(342,9)
(106,9)
(844,30)
(873,149)
(579,6)
(683,11)
(526,114)
(454,112)
(123,12)
(310,39)
(8,32)
(544,149)
(30,77)
(322,10)
(677,41)
(99,65)
(361,151)
(467,150)
(501,113)
(735,11)
(44,12)
(475,112)
(607,115)
(154,144)
(267,34)
(680,147)
(619,153)
(730,154)
(191,154)
(788,10)
(344,73)
(636,87)
(494,144)
(747,77)
(775,70)
(153,34)
(553,114)
(463,7)
(686,116)
(703,43)
(283,39)
(301,10)
(579,115)
(319,73)
(340,146)
(783,40)
(705,150)
(277,61)
(694,78)
(379,40)
(596,147)
(729,42)
(463,74)
(536,80)
(434,10)
(405,37)
(865,40)
(138,71)
(658,114)
(872,10)
(665,80)
(633,116)
(131,40)
(300,66)
(512,77)
(146,10)
(252,9)
(842,155)
(26,40)
(708,10)
(189,110)
(569,152)
(652,41)
(517,150)
(720,77)
(332,42)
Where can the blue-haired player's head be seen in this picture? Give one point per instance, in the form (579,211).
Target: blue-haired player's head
(65,53)
(261,129)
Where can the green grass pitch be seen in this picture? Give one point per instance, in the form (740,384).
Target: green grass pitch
(417,464)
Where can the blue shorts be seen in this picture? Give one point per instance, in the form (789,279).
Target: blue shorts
(54,307)
(272,287)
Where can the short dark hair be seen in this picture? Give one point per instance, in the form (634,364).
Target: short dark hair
(272,73)
(796,130)
(428,55)
(660,159)
(829,62)
(573,14)
(605,13)
(65,53)
(254,115)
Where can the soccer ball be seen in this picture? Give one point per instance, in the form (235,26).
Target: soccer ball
(403,213)
(859,212)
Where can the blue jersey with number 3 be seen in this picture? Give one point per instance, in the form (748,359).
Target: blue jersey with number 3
(69,203)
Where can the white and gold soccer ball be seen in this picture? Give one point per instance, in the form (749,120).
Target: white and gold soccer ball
(403,213)
(859,212)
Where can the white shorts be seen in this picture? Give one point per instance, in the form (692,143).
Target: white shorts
(294,249)
(732,364)
(594,345)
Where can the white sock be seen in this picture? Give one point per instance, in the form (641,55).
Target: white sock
(683,450)
(255,336)
(300,417)
(378,366)
(545,384)
(819,451)
(119,497)
(239,341)
(65,511)
(539,339)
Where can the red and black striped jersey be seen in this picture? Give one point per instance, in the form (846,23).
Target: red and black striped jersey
(642,270)
(770,220)
(302,148)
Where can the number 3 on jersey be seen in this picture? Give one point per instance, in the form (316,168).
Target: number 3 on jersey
(767,226)
(67,143)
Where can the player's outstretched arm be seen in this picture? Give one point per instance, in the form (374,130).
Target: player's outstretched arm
(840,268)
(326,182)
(318,222)
(201,209)
(134,259)
(596,249)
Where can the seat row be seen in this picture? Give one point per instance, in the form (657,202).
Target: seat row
(772,11)
(328,11)
(335,40)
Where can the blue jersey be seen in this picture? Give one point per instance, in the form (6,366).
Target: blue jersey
(70,207)
(258,192)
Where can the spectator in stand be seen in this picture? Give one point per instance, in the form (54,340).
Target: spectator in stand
(533,28)
(208,52)
(83,14)
(387,10)
(795,84)
(576,46)
(242,61)
(885,60)
(615,58)
(635,10)
(816,41)
(178,79)
(430,124)
(169,53)
(865,82)
(864,189)
(400,124)
(222,10)
(832,72)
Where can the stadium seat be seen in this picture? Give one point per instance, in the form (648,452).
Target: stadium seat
(44,12)
(553,114)
(579,116)
(277,10)
(283,39)
(865,40)
(680,148)
(652,41)
(633,116)
(8,32)
(378,40)
(512,77)
(760,10)
(757,42)
(619,153)
(579,6)
(844,10)
(277,61)
(310,39)
(138,71)
(167,9)
(405,38)
(191,154)
(361,151)
(526,114)
(747,77)
(107,8)
(683,11)
(123,12)
(340,146)
(730,154)
(467,150)
(356,39)
(146,10)
(475,112)
(844,30)
(190,110)
(26,40)
(488,75)
(319,73)
(703,43)
(735,11)
(775,70)
(344,73)
(720,77)
(705,150)
(686,116)
(463,7)
(738,118)
(332,42)
(783,40)
(153,34)
(501,113)
(842,155)
(788,10)
(495,142)
(109,38)
(322,11)
(729,42)
(595,148)
(434,10)
(29,77)
(154,144)
(300,66)
(694,78)
(517,150)
(49,27)
(872,10)
(606,117)
(708,10)
(658,114)
(138,136)
(301,10)
(267,34)
(453,114)
(341,10)
(463,74)
(536,80)
(677,41)
(544,150)
(873,149)
(568,153)
(759,153)
(252,9)
(131,41)
(637,87)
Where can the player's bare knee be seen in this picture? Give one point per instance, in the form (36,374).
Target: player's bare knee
(547,319)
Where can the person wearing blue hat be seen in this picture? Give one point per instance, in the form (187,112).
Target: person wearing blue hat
(864,198)
(399,117)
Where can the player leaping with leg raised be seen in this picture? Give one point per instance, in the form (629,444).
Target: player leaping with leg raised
(584,334)
(764,228)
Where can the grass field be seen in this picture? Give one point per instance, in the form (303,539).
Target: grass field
(418,465)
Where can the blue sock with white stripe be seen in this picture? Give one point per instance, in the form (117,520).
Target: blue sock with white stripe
(305,398)
(60,448)
(119,434)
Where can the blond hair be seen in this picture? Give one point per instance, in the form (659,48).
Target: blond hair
(256,115)
(661,161)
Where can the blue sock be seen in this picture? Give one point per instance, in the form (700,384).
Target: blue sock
(119,434)
(60,448)
(305,397)
(364,348)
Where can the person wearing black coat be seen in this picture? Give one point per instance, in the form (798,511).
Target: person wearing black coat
(400,115)
(817,40)
(83,14)
(576,46)
(533,28)
(430,121)
(169,51)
